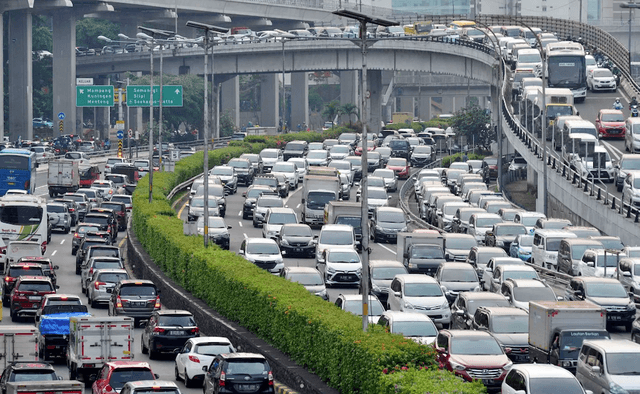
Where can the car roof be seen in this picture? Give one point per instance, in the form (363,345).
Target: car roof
(243,355)
(614,345)
(385,263)
(136,282)
(281,210)
(199,340)
(457,266)
(257,240)
(406,316)
(482,295)
(526,282)
(505,310)
(178,312)
(301,270)
(128,364)
(416,278)
(152,383)
(468,334)
(593,279)
(31,365)
(544,370)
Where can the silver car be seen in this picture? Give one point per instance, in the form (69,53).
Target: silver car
(59,216)
(102,283)
(390,179)
(105,189)
(94,264)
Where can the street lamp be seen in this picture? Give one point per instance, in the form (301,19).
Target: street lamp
(631,5)
(207,29)
(283,35)
(364,96)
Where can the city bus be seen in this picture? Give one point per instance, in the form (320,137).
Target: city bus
(17,170)
(23,218)
(566,68)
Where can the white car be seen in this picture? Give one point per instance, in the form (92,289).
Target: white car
(264,253)
(289,170)
(59,216)
(419,293)
(541,378)
(377,197)
(301,167)
(412,325)
(631,188)
(339,152)
(43,153)
(79,157)
(143,167)
(113,160)
(105,189)
(334,236)
(340,266)
(195,354)
(601,79)
(275,218)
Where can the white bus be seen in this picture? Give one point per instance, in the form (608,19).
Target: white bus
(566,67)
(23,218)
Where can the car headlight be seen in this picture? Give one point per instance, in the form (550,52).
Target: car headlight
(284,242)
(378,228)
(375,287)
(457,367)
(631,306)
(359,271)
(331,270)
(499,243)
(322,293)
(615,388)
(445,305)
(408,305)
(508,366)
(412,265)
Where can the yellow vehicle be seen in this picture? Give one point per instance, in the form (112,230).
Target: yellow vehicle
(457,25)
(421,28)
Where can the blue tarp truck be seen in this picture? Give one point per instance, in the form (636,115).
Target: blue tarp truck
(54,329)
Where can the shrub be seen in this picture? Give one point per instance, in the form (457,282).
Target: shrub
(314,333)
(447,160)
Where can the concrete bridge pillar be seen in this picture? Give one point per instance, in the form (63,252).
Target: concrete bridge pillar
(406,104)
(1,79)
(20,76)
(64,69)
(269,100)
(374,77)
(299,99)
(424,108)
(231,99)
(348,90)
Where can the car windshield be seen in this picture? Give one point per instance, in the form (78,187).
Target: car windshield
(297,231)
(422,290)
(555,385)
(294,146)
(528,241)
(14,272)
(510,230)
(318,199)
(269,154)
(427,252)
(176,320)
(397,162)
(391,217)
(377,193)
(225,171)
(107,264)
(33,376)
(458,275)
(88,193)
(578,250)
(472,305)
(122,199)
(105,252)
(335,237)
(387,273)
(121,376)
(35,286)
(138,290)
(239,164)
(307,279)
(601,73)
(612,260)
(213,349)
(339,149)
(422,149)
(415,328)
(487,222)
(525,294)
(199,202)
(519,274)
(247,367)
(606,290)
(475,346)
(283,167)
(514,324)
(115,207)
(270,202)
(630,164)
(529,58)
(112,277)
(255,192)
(614,117)
(346,256)
(317,154)
(384,173)
(282,218)
(611,243)
(262,248)
(355,307)
(460,243)
(376,181)
(55,208)
(623,363)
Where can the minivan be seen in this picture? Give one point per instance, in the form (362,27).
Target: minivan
(419,293)
(609,366)
(632,135)
(544,251)
(570,253)
(629,276)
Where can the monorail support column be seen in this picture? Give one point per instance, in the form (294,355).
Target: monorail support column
(270,101)
(20,76)
(374,78)
(231,99)
(299,99)
(424,108)
(348,90)
(64,69)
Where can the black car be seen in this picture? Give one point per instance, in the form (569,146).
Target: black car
(268,180)
(19,371)
(295,149)
(244,170)
(84,246)
(241,372)
(106,222)
(400,148)
(297,239)
(489,169)
(167,331)
(250,198)
(113,217)
(136,298)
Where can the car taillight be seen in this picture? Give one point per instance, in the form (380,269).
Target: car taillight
(194,359)
(223,378)
(72,209)
(157,304)
(195,330)
(7,278)
(108,388)
(158,329)
(98,284)
(118,302)
(76,235)
(91,271)
(270,378)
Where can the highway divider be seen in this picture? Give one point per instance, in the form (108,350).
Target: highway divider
(317,335)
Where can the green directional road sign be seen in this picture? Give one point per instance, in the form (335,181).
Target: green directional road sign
(138,96)
(94,96)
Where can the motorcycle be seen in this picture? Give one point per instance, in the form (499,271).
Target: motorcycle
(634,110)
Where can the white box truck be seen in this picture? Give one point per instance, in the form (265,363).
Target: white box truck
(557,329)
(18,343)
(48,387)
(317,191)
(96,340)
(344,212)
(63,177)
(420,252)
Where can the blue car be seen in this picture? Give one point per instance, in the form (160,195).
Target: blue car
(521,247)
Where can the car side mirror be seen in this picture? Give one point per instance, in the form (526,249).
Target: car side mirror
(155,375)
(205,368)
(55,267)
(397,294)
(57,287)
(109,290)
(186,205)
(560,298)
(595,369)
(626,273)
(241,252)
(229,227)
(244,194)
(460,312)
(591,264)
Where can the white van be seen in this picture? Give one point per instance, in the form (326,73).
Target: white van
(632,134)
(544,251)
(17,249)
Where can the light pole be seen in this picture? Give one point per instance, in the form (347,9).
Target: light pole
(283,35)
(631,5)
(207,29)
(364,95)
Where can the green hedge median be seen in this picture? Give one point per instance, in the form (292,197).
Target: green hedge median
(314,333)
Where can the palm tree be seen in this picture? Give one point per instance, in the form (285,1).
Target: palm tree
(331,110)
(350,109)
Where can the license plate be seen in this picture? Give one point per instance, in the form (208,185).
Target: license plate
(35,298)
(609,317)
(298,250)
(176,332)
(487,381)
(11,183)
(248,387)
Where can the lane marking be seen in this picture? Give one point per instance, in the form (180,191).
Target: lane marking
(240,223)
(617,153)
(61,242)
(122,242)
(298,206)
(245,235)
(54,253)
(384,247)
(240,213)
(181,209)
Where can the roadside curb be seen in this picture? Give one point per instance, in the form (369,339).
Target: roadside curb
(282,389)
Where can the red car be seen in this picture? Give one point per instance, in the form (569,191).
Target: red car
(472,355)
(27,294)
(113,376)
(400,167)
(610,123)
(370,146)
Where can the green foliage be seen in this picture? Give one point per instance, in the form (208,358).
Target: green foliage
(41,37)
(432,381)
(227,127)
(331,110)
(474,123)
(416,126)
(437,122)
(88,30)
(316,334)
(447,160)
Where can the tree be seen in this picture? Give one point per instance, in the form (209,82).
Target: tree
(349,109)
(475,124)
(88,30)
(331,110)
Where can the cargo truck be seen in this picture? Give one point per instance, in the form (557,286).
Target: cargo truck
(420,252)
(53,329)
(96,340)
(343,212)
(63,177)
(18,343)
(317,191)
(48,387)
(557,329)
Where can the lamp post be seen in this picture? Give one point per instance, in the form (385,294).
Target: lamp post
(364,95)
(207,29)
(631,5)
(283,35)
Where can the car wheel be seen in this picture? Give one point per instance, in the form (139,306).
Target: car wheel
(145,350)
(245,216)
(73,251)
(93,304)
(177,375)
(187,382)
(619,187)
(627,326)
(14,317)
